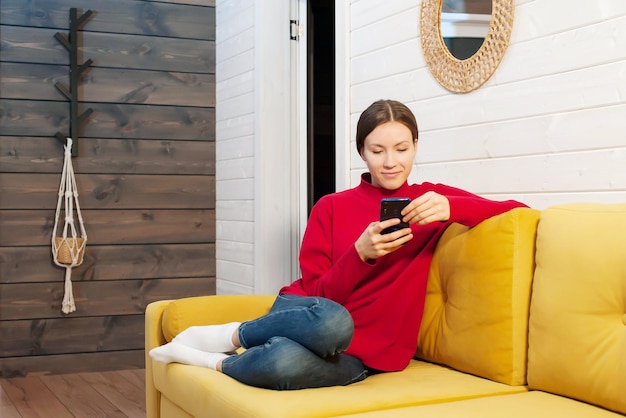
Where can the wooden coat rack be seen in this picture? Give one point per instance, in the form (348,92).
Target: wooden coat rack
(71,44)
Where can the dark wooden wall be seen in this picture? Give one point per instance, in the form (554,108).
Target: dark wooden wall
(145,173)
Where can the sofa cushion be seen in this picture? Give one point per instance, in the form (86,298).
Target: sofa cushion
(203,392)
(182,313)
(577,335)
(533,404)
(476,312)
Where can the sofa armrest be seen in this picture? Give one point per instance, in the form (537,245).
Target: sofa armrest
(167,318)
(208,310)
(153,338)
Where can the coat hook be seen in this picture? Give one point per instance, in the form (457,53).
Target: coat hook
(71,93)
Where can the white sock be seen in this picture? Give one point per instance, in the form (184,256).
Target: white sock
(178,353)
(210,338)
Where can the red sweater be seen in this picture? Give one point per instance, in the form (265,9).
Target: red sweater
(386,298)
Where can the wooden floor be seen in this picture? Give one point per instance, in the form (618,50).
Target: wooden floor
(81,395)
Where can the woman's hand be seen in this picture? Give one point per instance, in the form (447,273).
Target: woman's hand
(372,244)
(427,208)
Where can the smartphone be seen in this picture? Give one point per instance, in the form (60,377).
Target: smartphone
(390,208)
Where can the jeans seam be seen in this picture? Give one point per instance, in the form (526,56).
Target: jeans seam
(358,378)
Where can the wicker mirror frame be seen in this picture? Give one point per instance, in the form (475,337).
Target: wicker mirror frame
(464,76)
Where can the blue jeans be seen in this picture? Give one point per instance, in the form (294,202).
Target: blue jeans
(297,345)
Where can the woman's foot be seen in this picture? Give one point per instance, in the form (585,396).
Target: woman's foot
(210,338)
(175,352)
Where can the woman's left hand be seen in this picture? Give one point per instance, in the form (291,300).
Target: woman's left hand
(427,208)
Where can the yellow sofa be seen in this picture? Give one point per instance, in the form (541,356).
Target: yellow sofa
(525,316)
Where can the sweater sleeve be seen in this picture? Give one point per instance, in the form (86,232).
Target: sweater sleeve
(327,271)
(469,209)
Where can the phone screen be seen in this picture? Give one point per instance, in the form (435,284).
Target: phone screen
(391,208)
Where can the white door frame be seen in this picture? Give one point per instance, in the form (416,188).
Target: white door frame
(280,144)
(299,98)
(342,95)
(281,135)
(276,155)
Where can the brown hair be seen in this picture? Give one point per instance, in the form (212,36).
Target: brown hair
(382,111)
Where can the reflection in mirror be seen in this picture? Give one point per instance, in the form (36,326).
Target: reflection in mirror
(464,25)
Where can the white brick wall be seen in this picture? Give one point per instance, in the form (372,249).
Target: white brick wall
(235,146)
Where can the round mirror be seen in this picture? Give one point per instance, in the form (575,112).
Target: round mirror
(463,66)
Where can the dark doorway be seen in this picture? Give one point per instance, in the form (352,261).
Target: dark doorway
(321,99)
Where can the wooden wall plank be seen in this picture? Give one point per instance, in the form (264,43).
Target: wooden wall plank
(73,362)
(116,16)
(117,297)
(97,155)
(147,121)
(108,85)
(40,118)
(35,45)
(32,81)
(106,191)
(34,264)
(34,227)
(149,87)
(72,334)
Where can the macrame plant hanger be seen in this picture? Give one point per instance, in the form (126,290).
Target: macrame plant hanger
(68,242)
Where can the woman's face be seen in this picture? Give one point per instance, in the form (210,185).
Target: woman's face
(389,151)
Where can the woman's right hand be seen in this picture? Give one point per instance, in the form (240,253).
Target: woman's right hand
(372,244)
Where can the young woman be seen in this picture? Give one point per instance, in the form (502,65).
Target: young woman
(358,306)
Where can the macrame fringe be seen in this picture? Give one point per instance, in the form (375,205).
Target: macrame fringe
(68,305)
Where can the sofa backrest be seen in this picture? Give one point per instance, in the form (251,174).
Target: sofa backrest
(577,331)
(476,312)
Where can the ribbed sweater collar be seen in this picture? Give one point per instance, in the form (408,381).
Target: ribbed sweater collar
(367,187)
